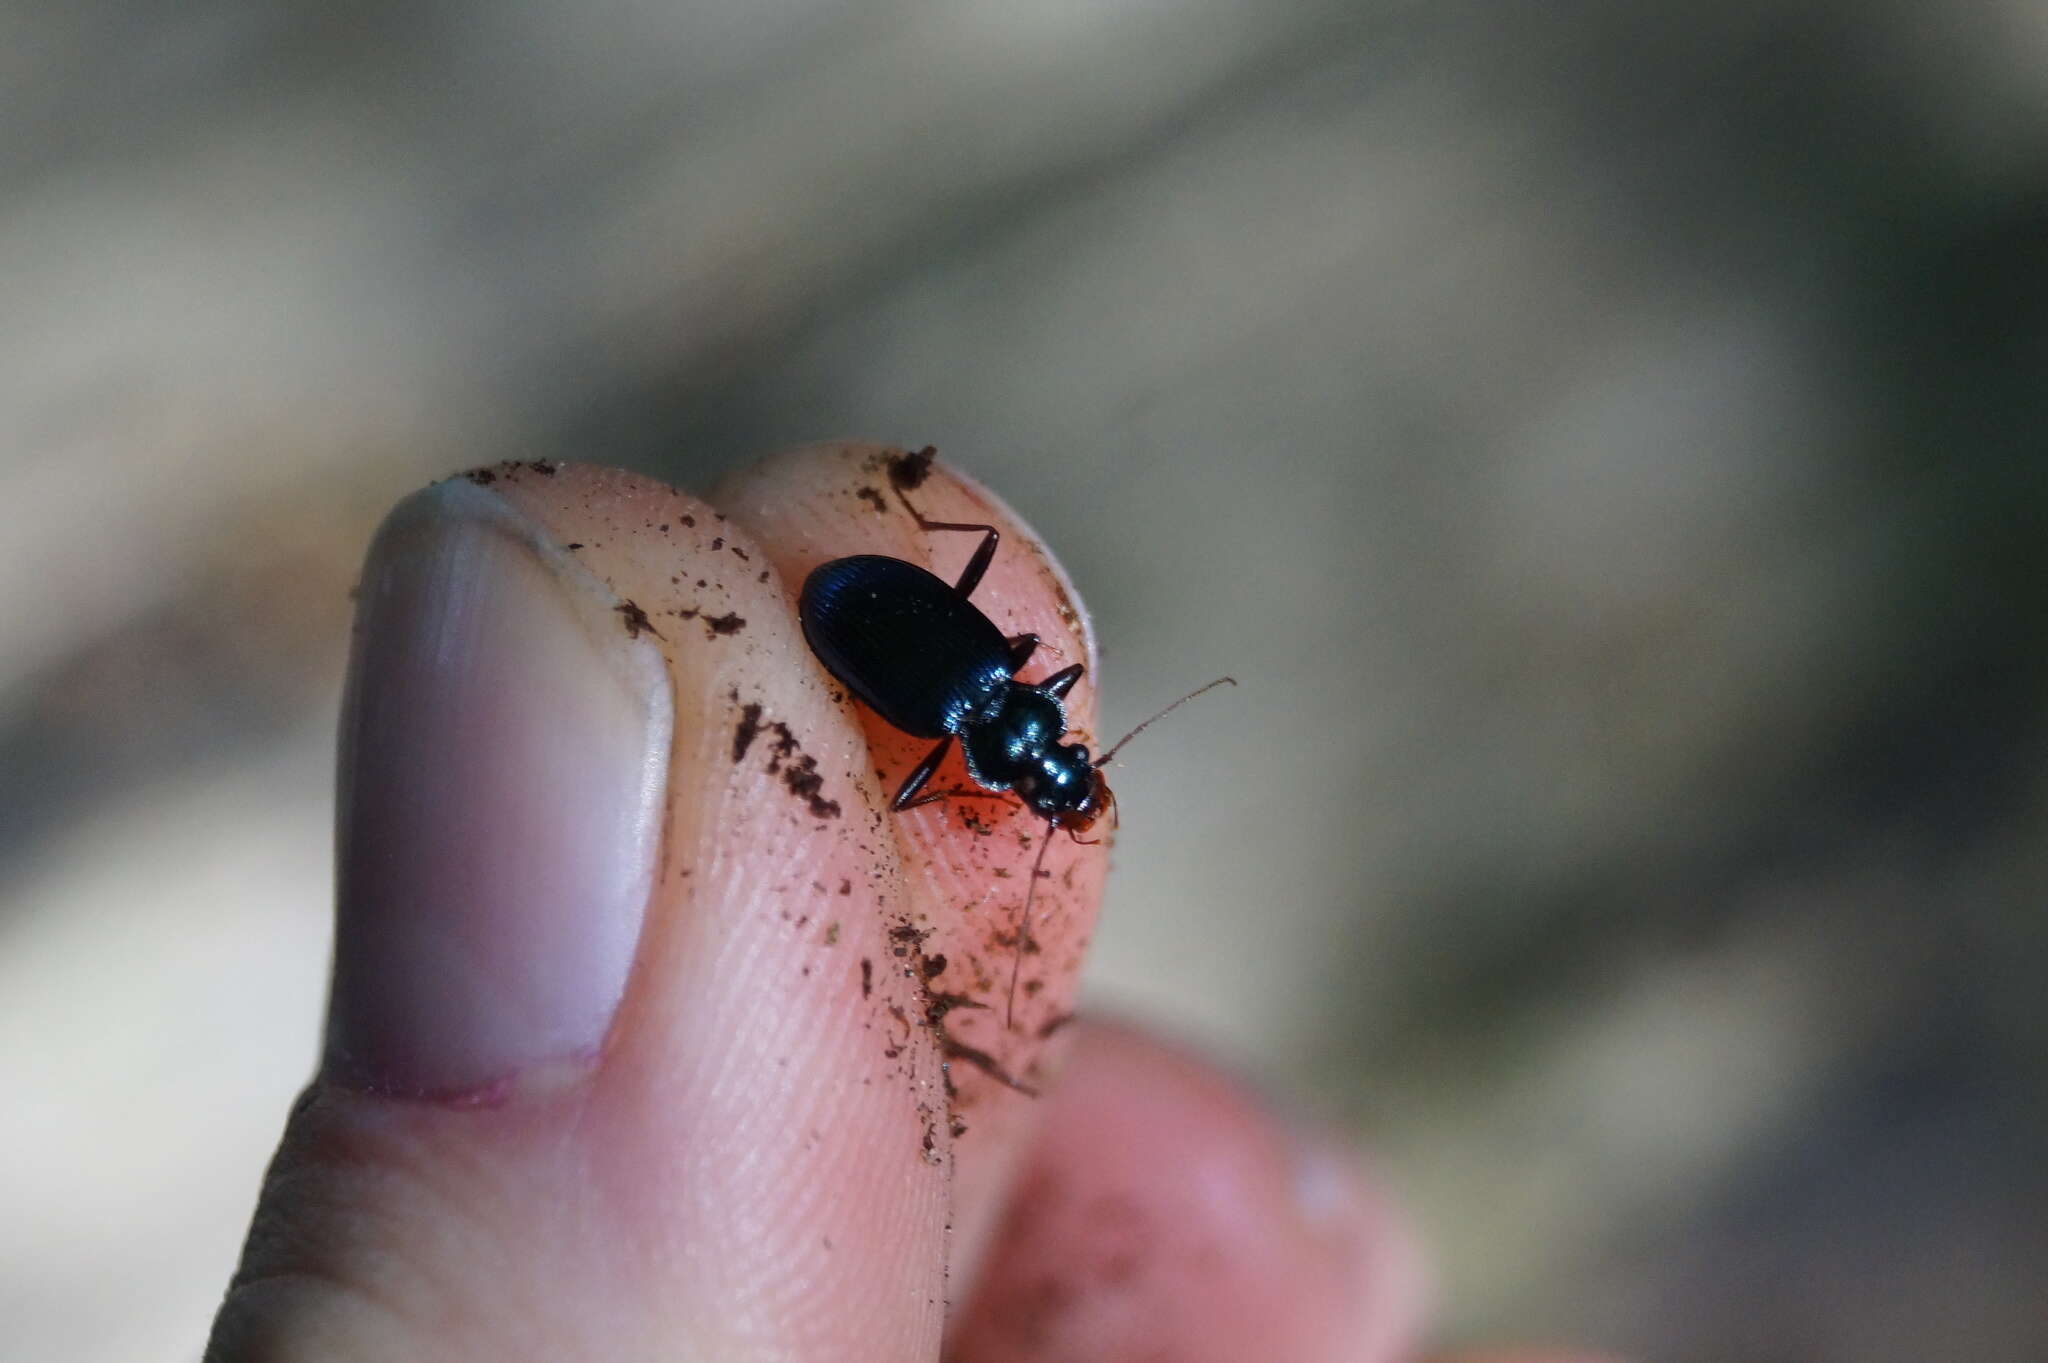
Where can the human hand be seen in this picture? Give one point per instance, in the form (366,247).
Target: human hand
(646,1009)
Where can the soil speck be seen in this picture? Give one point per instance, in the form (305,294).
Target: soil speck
(636,619)
(908,471)
(804,782)
(748,730)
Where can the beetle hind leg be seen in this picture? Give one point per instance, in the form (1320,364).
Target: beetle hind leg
(907,794)
(984,553)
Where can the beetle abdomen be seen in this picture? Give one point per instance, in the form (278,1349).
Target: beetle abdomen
(904,641)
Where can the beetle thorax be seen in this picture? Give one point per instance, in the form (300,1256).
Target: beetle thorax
(1010,742)
(1014,745)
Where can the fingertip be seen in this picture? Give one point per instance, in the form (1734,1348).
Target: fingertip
(1164,1211)
(723,1118)
(969,862)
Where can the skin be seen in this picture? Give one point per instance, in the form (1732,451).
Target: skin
(758,1160)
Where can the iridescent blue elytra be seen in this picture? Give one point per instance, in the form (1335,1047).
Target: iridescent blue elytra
(924,657)
(905,642)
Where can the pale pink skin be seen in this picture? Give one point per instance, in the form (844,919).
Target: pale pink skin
(755,1158)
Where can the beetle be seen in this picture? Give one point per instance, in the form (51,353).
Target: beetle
(924,657)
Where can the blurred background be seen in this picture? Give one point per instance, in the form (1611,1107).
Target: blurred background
(1605,438)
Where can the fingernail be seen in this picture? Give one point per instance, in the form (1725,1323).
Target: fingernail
(504,755)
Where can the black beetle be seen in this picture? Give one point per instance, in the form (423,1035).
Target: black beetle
(925,658)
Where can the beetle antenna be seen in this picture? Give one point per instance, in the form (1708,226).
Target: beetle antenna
(1024,930)
(1117,747)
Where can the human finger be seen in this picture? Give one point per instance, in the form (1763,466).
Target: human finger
(1165,1212)
(604,1073)
(997,986)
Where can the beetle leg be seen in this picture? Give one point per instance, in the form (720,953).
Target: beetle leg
(940,797)
(906,794)
(970,577)
(1062,681)
(1022,646)
(984,553)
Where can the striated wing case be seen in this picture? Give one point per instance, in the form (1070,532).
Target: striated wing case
(904,641)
